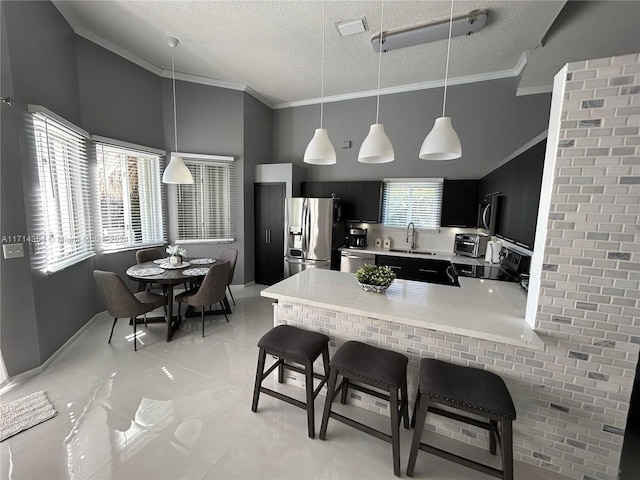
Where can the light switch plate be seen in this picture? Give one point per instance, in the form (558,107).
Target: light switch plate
(13,250)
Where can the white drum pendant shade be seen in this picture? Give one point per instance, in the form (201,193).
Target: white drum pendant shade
(442,143)
(377,147)
(177,172)
(320,150)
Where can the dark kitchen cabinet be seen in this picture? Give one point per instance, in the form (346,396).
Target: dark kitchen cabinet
(360,200)
(269,232)
(420,269)
(520,182)
(459,203)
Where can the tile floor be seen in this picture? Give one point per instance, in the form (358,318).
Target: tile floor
(182,410)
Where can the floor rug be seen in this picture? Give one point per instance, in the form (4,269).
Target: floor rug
(24,413)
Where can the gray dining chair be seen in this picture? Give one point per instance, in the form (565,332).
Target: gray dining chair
(211,291)
(122,303)
(148,255)
(229,255)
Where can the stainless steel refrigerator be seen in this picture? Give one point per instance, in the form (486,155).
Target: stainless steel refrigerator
(313,231)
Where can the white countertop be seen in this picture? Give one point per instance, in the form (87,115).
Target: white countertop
(434,255)
(484,309)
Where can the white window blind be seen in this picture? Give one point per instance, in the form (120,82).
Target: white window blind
(412,200)
(205,209)
(63,217)
(129,199)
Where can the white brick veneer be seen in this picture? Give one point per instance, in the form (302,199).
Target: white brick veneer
(571,398)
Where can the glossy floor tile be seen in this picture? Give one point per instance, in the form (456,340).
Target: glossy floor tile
(182,410)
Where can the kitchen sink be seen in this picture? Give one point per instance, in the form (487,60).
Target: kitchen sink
(408,250)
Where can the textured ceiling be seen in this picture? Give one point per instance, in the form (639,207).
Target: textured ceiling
(274,47)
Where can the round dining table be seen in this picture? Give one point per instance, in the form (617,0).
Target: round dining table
(160,272)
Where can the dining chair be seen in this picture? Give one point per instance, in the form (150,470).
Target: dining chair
(211,291)
(148,255)
(122,303)
(229,255)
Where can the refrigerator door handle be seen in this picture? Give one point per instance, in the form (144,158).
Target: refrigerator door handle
(305,238)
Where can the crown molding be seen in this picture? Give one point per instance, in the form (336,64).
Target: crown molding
(482,77)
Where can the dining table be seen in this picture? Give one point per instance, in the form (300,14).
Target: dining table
(161,272)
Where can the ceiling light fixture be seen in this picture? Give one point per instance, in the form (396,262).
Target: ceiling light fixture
(176,171)
(442,142)
(465,24)
(377,147)
(320,150)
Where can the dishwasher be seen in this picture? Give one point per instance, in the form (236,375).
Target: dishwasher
(351,261)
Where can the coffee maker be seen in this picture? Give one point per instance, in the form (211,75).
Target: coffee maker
(357,238)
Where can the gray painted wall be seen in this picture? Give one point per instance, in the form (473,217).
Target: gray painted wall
(40,312)
(258,148)
(490,120)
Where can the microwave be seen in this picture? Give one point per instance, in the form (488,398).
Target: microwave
(471,244)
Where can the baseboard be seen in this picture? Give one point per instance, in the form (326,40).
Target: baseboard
(249,284)
(11,382)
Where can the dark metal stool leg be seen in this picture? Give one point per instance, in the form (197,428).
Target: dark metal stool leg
(419,418)
(281,371)
(507,449)
(395,430)
(310,403)
(333,377)
(256,389)
(115,319)
(345,389)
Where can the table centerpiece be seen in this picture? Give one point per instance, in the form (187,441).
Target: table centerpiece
(176,255)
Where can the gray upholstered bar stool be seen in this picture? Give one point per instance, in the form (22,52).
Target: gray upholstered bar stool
(293,344)
(374,367)
(471,390)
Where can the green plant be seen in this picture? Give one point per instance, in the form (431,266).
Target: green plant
(375,275)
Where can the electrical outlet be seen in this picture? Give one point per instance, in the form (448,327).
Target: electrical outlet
(13,250)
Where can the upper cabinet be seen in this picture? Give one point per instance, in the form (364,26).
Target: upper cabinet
(361,200)
(519,182)
(459,203)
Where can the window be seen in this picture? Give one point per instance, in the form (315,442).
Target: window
(417,200)
(205,210)
(63,217)
(129,200)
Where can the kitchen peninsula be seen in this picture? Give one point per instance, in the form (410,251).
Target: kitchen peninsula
(479,309)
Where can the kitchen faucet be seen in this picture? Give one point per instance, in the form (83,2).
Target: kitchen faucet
(413,235)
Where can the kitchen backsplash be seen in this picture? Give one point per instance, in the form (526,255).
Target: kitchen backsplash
(441,241)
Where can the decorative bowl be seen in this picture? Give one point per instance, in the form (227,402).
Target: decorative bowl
(373,288)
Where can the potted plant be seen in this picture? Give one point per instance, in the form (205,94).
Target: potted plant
(375,278)
(177,253)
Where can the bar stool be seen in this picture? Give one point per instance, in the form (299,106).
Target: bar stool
(292,344)
(471,390)
(383,369)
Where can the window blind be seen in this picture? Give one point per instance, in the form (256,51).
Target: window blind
(412,200)
(205,209)
(63,218)
(129,200)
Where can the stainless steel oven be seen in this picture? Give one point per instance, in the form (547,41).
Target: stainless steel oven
(471,244)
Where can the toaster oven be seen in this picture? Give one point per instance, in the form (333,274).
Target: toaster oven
(470,244)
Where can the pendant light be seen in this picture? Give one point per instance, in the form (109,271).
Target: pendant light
(377,147)
(442,142)
(320,150)
(176,171)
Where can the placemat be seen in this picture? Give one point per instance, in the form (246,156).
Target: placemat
(195,272)
(202,261)
(147,272)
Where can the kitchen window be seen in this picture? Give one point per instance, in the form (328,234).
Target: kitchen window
(61,222)
(128,195)
(417,200)
(204,211)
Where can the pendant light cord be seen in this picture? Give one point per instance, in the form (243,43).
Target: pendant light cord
(324,15)
(175,117)
(446,71)
(380,61)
